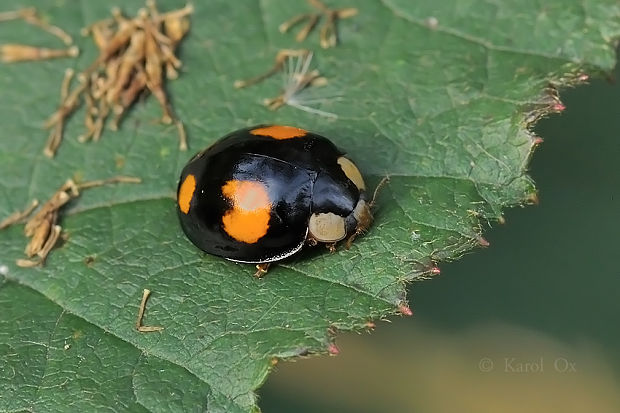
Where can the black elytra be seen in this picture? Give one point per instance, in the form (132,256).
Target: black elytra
(250,196)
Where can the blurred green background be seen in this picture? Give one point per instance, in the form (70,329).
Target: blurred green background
(529,324)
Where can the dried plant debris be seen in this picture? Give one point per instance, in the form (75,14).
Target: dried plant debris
(280,60)
(297,77)
(19,216)
(145,329)
(136,55)
(30,15)
(42,228)
(11,53)
(68,103)
(328,34)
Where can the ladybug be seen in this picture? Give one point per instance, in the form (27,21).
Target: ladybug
(259,194)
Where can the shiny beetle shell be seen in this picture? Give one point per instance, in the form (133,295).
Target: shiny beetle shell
(259,194)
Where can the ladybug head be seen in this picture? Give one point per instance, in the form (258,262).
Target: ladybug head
(340,207)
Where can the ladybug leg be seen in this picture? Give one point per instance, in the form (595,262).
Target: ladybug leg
(331,247)
(366,218)
(349,241)
(311,241)
(261,269)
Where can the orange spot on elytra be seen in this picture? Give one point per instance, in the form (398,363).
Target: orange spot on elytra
(279,132)
(186,192)
(248,219)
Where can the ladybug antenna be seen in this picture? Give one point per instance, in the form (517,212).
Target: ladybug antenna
(364,217)
(379,186)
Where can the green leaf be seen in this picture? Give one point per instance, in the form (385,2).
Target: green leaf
(439,95)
